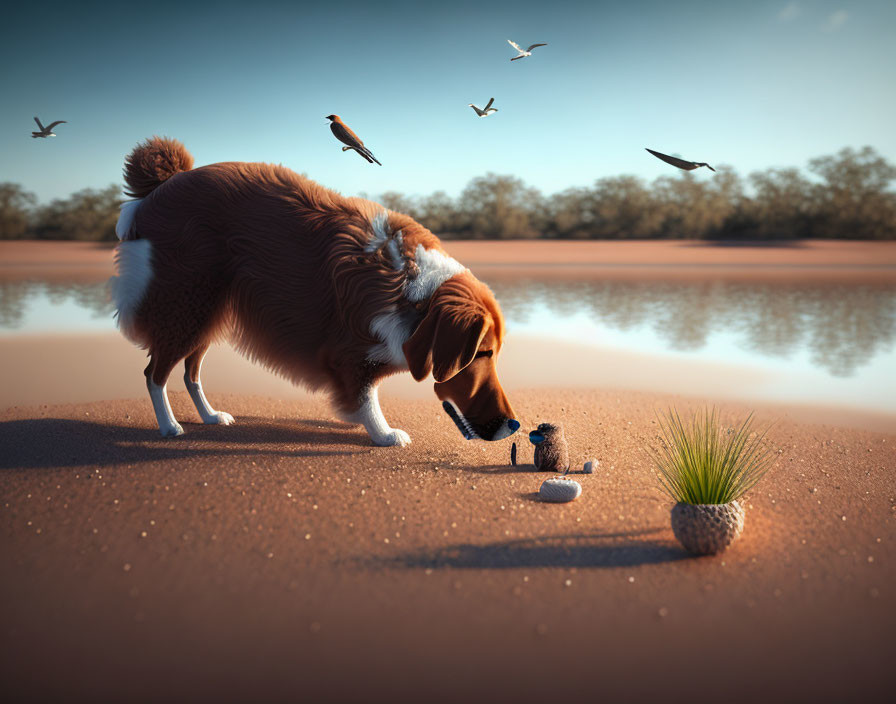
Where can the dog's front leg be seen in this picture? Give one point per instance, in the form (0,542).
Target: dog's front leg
(370,415)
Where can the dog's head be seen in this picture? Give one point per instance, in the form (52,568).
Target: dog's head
(458,340)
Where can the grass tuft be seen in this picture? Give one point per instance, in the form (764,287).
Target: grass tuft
(703,463)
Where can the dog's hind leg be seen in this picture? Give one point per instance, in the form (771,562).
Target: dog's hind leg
(209,415)
(156,382)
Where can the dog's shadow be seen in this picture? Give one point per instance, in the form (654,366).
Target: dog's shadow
(59,442)
(521,468)
(597,550)
(496,469)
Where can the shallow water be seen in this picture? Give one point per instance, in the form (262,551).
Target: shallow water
(54,307)
(818,342)
(828,342)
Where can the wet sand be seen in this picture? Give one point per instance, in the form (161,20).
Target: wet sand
(96,367)
(284,558)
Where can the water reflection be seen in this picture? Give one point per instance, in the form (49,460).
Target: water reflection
(842,325)
(17,298)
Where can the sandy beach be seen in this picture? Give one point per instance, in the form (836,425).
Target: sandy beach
(285,558)
(786,257)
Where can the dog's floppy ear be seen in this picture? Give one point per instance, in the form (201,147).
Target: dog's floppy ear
(445,342)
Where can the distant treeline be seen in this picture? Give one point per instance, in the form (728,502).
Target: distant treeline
(850,197)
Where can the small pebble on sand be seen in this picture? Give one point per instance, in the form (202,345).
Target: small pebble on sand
(559,490)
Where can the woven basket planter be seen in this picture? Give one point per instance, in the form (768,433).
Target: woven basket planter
(707,529)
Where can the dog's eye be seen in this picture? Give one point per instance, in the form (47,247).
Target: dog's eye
(484,353)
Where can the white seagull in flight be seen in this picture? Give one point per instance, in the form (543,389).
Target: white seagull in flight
(523,54)
(487,110)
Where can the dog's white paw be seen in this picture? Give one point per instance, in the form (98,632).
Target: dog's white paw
(220,418)
(172,431)
(393,438)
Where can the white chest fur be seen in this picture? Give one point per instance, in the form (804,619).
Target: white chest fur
(433,268)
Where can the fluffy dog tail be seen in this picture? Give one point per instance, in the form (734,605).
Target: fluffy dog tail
(152,162)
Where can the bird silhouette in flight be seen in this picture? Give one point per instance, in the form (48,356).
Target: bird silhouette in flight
(523,53)
(346,136)
(45,131)
(680,163)
(487,110)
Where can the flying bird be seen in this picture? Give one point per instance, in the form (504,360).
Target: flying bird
(346,136)
(680,163)
(487,110)
(523,54)
(45,131)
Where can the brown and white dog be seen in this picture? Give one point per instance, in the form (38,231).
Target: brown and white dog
(335,293)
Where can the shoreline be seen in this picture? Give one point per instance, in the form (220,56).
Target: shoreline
(87,368)
(108,366)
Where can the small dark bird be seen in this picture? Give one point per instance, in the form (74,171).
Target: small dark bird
(346,136)
(487,110)
(551,450)
(45,131)
(680,163)
(523,53)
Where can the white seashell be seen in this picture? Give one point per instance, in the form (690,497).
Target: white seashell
(559,490)
(590,466)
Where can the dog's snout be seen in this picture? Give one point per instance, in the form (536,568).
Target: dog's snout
(506,429)
(498,429)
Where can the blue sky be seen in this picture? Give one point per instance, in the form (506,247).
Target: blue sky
(753,85)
